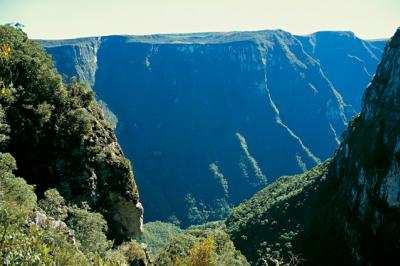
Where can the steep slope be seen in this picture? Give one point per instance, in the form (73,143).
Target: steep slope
(79,59)
(214,117)
(270,226)
(345,211)
(366,167)
(49,232)
(348,61)
(60,137)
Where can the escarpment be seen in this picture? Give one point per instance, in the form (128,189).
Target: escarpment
(217,116)
(345,211)
(366,169)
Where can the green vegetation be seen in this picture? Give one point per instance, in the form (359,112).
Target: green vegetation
(53,204)
(345,211)
(206,244)
(202,246)
(199,213)
(270,227)
(83,200)
(68,195)
(90,229)
(22,241)
(55,137)
(29,236)
(61,138)
(157,234)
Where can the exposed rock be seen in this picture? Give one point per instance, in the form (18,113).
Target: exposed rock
(345,211)
(41,220)
(84,58)
(367,168)
(181,99)
(127,216)
(58,133)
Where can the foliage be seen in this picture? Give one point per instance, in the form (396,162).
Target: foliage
(7,164)
(133,253)
(58,133)
(23,242)
(90,229)
(199,213)
(157,234)
(269,227)
(202,253)
(58,137)
(28,237)
(4,128)
(54,204)
(208,245)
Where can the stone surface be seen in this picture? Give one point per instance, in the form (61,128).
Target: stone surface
(256,104)
(345,211)
(366,166)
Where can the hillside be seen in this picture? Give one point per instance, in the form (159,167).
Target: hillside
(216,116)
(67,193)
(345,211)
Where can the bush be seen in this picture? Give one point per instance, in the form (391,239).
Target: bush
(269,226)
(209,245)
(203,253)
(54,204)
(90,229)
(22,240)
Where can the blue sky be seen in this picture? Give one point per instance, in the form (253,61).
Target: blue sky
(56,19)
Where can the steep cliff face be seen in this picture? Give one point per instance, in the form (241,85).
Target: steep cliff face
(347,61)
(78,59)
(214,117)
(345,211)
(366,166)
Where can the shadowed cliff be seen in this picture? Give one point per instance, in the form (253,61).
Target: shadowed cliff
(214,117)
(345,211)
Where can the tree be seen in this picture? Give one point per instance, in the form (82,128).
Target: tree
(54,204)
(203,253)
(90,229)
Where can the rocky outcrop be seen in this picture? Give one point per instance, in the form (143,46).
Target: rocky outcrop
(256,104)
(60,137)
(366,166)
(345,211)
(77,60)
(42,221)
(112,183)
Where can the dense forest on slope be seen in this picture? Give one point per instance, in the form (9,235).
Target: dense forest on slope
(269,227)
(66,190)
(217,116)
(345,211)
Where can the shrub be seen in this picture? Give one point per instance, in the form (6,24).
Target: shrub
(203,253)
(202,245)
(90,229)
(54,204)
